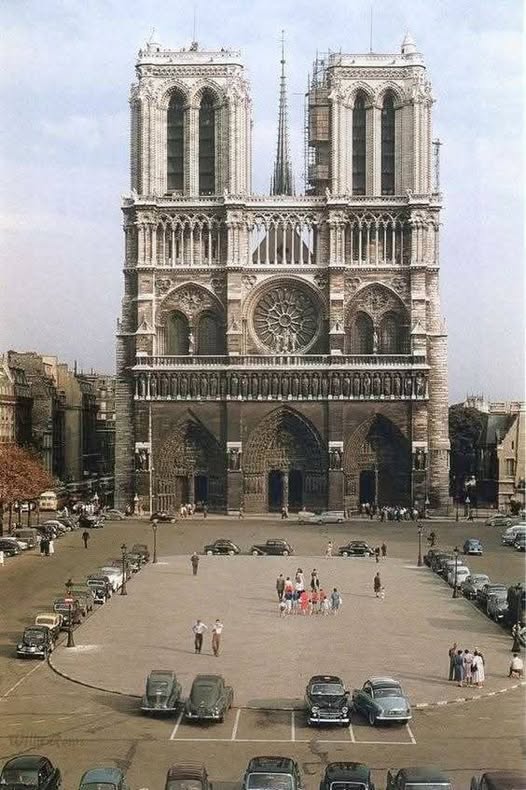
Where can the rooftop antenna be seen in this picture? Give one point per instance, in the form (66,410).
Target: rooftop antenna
(371,31)
(152,34)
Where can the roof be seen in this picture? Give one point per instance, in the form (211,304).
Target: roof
(25,761)
(325,679)
(425,773)
(359,771)
(208,678)
(270,764)
(186,770)
(161,672)
(380,681)
(102,774)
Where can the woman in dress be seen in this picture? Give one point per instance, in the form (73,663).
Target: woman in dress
(458,668)
(477,669)
(468,660)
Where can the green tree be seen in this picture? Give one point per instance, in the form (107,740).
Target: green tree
(465,430)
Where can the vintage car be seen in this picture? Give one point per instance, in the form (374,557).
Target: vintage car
(103,779)
(509,536)
(382,699)
(52,621)
(36,642)
(356,548)
(114,574)
(272,773)
(85,597)
(488,589)
(418,779)
(135,561)
(113,515)
(30,771)
(95,580)
(472,546)
(520,542)
(162,693)
(497,606)
(68,610)
(222,546)
(502,520)
(116,562)
(430,554)
(187,776)
(325,517)
(9,547)
(347,776)
(458,575)
(142,549)
(277,546)
(210,698)
(23,545)
(473,583)
(438,559)
(90,522)
(327,700)
(57,526)
(164,517)
(28,534)
(499,780)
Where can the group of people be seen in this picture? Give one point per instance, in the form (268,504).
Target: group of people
(198,630)
(185,511)
(390,512)
(466,668)
(295,598)
(47,546)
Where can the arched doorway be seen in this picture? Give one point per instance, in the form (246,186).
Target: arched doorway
(189,468)
(284,464)
(377,464)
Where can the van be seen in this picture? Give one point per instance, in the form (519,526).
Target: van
(48,501)
(510,535)
(29,535)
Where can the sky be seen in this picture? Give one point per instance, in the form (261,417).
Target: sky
(65,71)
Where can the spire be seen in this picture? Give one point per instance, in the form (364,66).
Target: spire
(281,182)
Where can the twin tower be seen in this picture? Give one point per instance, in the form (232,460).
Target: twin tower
(281,350)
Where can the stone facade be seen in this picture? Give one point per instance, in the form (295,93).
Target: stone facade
(281,350)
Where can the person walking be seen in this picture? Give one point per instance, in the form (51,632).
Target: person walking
(198,628)
(284,513)
(328,550)
(468,660)
(194,559)
(384,550)
(324,602)
(315,601)
(280,586)
(217,630)
(478,669)
(289,594)
(241,512)
(336,600)
(51,547)
(458,668)
(205,510)
(304,602)
(516,667)
(43,545)
(377,554)
(452,653)
(85,538)
(377,585)
(314,580)
(46,546)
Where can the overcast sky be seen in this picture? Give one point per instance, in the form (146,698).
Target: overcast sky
(65,70)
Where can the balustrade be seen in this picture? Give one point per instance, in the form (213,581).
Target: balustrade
(283,361)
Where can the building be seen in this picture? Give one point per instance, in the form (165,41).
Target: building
(7,404)
(511,456)
(281,351)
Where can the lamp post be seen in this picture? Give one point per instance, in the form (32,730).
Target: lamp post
(154,530)
(515,631)
(124,549)
(455,592)
(71,641)
(420,530)
(426,507)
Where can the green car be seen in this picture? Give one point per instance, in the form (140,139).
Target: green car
(103,779)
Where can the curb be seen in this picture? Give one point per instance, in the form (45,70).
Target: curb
(457,700)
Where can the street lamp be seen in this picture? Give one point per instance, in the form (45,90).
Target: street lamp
(420,530)
(468,507)
(426,507)
(69,600)
(154,529)
(124,549)
(515,631)
(455,592)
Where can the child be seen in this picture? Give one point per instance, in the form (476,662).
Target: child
(282,608)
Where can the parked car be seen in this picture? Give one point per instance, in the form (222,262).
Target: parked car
(56,525)
(114,574)
(164,517)
(29,535)
(52,621)
(103,779)
(90,522)
(135,561)
(9,547)
(113,515)
(30,771)
(273,546)
(222,546)
(356,548)
(473,583)
(327,700)
(272,773)
(509,535)
(520,542)
(142,549)
(502,520)
(382,699)
(497,606)
(162,693)
(418,779)
(96,580)
(304,516)
(488,589)
(325,517)
(438,560)
(472,546)
(210,698)
(347,776)
(187,776)
(68,522)
(85,597)
(448,565)
(36,642)
(68,611)
(461,574)
(22,544)
(499,780)
(430,554)
(116,562)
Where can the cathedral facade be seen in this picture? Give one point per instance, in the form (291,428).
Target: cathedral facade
(281,350)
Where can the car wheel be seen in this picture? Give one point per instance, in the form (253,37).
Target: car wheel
(209,552)
(372,718)
(345,553)
(285,553)
(231,553)
(255,553)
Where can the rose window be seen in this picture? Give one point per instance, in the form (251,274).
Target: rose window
(286,319)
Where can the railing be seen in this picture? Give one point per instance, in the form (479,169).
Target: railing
(283,361)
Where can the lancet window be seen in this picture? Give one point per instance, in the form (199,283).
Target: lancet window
(175,144)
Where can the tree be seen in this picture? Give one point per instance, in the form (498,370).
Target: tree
(465,431)
(22,477)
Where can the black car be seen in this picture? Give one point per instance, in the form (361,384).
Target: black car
(272,773)
(163,516)
(489,589)
(68,611)
(142,549)
(90,522)
(356,548)
(36,642)
(9,547)
(276,546)
(327,700)
(347,776)
(428,556)
(97,580)
(30,771)
(187,776)
(499,780)
(99,590)
(421,777)
(162,693)
(209,699)
(222,546)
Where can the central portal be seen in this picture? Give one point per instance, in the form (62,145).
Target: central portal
(275,490)
(200,489)
(367,486)
(295,489)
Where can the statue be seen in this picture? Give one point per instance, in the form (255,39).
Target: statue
(183,386)
(194,386)
(244,386)
(164,386)
(264,385)
(397,385)
(223,384)
(233,459)
(336,385)
(254,388)
(356,385)
(153,386)
(375,341)
(285,386)
(305,386)
(204,386)
(173,386)
(315,385)
(346,385)
(275,385)
(324,386)
(408,386)
(191,342)
(377,385)
(213,386)
(420,385)
(387,385)
(420,459)
(295,385)
(142,387)
(234,385)
(366,385)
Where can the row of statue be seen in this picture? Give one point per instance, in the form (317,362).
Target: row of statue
(265,385)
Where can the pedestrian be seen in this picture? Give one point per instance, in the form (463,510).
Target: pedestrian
(85,538)
(315,600)
(205,510)
(468,660)
(516,667)
(300,579)
(304,602)
(198,628)
(314,580)
(377,584)
(284,513)
(194,559)
(384,550)
(324,603)
(458,668)
(280,586)
(217,630)
(289,594)
(336,600)
(377,554)
(328,550)
(43,545)
(282,608)
(452,653)
(51,548)
(241,512)
(478,669)
(46,546)
(289,585)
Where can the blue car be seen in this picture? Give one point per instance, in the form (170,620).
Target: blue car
(472,546)
(103,779)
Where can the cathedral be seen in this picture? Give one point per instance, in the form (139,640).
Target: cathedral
(281,350)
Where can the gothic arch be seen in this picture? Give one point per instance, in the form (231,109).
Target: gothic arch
(365,89)
(376,301)
(390,87)
(190,299)
(207,86)
(175,87)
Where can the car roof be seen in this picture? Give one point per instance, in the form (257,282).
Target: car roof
(208,679)
(383,682)
(325,679)
(102,774)
(505,780)
(359,771)
(270,764)
(425,773)
(25,761)
(169,672)
(186,771)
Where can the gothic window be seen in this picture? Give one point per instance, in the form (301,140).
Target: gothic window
(175,144)
(177,334)
(209,337)
(362,332)
(390,335)
(388,145)
(207,145)
(358,146)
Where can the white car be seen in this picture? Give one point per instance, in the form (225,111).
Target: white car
(22,544)
(510,535)
(462,574)
(114,574)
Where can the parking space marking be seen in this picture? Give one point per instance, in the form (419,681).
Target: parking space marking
(410,733)
(176,726)
(8,692)
(292,726)
(351,733)
(236,723)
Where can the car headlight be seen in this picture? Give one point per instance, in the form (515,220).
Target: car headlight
(315,709)
(19,647)
(345,710)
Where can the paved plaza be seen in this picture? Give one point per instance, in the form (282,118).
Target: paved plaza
(267,659)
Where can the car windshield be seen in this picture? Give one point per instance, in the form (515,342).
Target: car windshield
(184,784)
(204,693)
(391,691)
(158,684)
(261,781)
(19,776)
(330,689)
(34,635)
